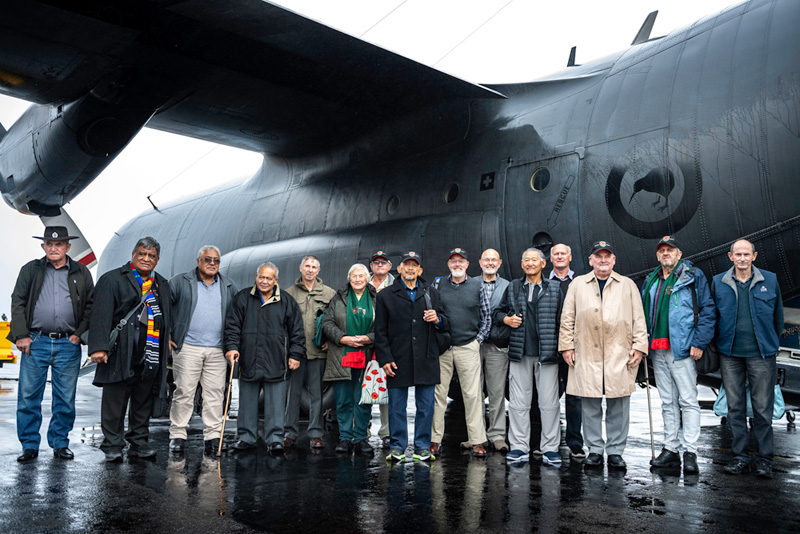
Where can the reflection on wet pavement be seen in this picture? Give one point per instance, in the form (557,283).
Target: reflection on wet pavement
(303,491)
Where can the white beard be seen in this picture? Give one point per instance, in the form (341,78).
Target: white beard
(487,270)
(458,273)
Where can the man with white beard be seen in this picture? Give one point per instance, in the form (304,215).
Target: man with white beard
(494,360)
(471,321)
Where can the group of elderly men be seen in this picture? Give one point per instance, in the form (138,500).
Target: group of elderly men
(526,332)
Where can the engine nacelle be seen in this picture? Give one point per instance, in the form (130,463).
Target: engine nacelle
(53,152)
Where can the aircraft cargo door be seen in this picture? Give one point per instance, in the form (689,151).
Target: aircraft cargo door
(541,207)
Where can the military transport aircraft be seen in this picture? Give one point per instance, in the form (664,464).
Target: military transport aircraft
(696,134)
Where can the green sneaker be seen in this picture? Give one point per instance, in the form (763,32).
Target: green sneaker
(396,455)
(424,455)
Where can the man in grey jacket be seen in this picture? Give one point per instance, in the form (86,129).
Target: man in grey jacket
(200,301)
(494,360)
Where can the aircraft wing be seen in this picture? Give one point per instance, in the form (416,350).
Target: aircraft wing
(245,73)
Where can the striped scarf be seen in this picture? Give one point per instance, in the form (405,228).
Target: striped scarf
(151,352)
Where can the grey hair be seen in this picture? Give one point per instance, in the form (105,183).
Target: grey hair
(147,243)
(532,249)
(357,267)
(569,248)
(204,248)
(308,257)
(752,246)
(270,265)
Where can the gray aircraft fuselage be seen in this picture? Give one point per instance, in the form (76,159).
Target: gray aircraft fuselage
(695,134)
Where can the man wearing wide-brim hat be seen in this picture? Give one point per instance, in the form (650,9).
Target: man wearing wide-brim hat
(49,312)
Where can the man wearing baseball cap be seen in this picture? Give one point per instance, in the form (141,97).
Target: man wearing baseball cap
(49,312)
(676,340)
(380,279)
(603,345)
(406,348)
(470,312)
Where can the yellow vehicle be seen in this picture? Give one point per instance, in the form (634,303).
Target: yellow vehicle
(6,355)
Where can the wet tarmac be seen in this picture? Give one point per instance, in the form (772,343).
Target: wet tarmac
(326,492)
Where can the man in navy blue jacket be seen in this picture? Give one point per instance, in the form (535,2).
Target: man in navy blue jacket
(750,314)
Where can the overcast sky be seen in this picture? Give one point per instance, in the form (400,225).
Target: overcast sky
(483,41)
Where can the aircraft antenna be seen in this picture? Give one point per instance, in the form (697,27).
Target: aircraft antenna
(383,18)
(195,162)
(644,32)
(473,32)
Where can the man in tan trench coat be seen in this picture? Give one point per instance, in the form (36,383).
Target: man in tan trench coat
(603,338)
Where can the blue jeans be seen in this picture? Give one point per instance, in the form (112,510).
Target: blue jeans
(65,359)
(761,374)
(677,387)
(353,417)
(398,420)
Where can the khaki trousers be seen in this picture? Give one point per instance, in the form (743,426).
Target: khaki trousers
(466,360)
(206,366)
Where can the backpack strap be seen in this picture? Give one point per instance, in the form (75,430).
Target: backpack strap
(515,286)
(695,309)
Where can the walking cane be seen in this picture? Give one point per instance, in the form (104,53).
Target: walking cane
(228,405)
(649,408)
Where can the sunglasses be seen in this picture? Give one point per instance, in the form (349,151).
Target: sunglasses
(380,262)
(211,261)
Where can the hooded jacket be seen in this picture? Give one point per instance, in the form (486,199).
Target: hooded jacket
(683,334)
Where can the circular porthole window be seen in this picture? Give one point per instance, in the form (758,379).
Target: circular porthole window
(392,204)
(450,193)
(540,179)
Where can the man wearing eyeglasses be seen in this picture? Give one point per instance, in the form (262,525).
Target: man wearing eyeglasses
(494,360)
(200,300)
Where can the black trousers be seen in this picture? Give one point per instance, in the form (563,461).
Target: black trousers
(116,398)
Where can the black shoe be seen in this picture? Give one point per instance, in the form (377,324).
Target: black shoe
(736,466)
(276,447)
(762,468)
(363,446)
(690,463)
(244,446)
(593,460)
(145,452)
(615,461)
(386,442)
(211,446)
(177,445)
(114,455)
(344,446)
(63,453)
(667,458)
(28,455)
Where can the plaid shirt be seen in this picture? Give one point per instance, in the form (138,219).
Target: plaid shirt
(486,310)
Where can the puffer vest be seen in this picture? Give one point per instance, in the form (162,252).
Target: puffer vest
(547,322)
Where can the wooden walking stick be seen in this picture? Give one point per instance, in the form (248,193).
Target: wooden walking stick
(228,405)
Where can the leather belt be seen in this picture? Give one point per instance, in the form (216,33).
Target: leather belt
(55,335)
